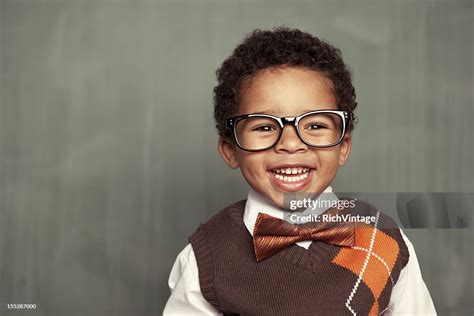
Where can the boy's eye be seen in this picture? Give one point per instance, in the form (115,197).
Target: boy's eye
(315,126)
(263,128)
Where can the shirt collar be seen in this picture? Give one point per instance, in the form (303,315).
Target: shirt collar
(257,203)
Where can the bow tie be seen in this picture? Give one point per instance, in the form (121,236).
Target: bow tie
(272,234)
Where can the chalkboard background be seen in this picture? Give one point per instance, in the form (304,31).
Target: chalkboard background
(108,154)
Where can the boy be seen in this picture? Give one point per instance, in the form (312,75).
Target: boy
(284,112)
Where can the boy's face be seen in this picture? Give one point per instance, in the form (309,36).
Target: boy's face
(286,92)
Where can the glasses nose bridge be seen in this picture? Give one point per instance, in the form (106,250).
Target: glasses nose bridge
(292,121)
(289,120)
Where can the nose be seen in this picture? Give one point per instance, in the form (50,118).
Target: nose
(289,141)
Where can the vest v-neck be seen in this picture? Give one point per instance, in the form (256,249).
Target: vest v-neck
(312,258)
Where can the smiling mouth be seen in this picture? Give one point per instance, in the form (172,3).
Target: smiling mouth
(292,179)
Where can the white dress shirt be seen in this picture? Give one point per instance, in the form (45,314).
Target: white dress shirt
(409,295)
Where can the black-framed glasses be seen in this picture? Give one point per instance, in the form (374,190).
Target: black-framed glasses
(320,129)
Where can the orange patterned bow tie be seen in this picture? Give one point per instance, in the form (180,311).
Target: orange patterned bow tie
(272,234)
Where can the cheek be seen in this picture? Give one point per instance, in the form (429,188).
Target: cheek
(330,160)
(251,164)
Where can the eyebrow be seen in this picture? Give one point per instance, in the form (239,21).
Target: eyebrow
(265,112)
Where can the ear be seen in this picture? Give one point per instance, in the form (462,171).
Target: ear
(227,149)
(346,145)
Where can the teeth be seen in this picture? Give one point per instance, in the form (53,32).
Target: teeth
(291,171)
(291,178)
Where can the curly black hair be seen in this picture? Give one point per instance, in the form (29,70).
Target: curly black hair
(282,46)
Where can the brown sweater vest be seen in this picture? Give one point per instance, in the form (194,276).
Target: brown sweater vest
(323,280)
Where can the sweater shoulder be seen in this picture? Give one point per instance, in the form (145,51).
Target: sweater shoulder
(231,211)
